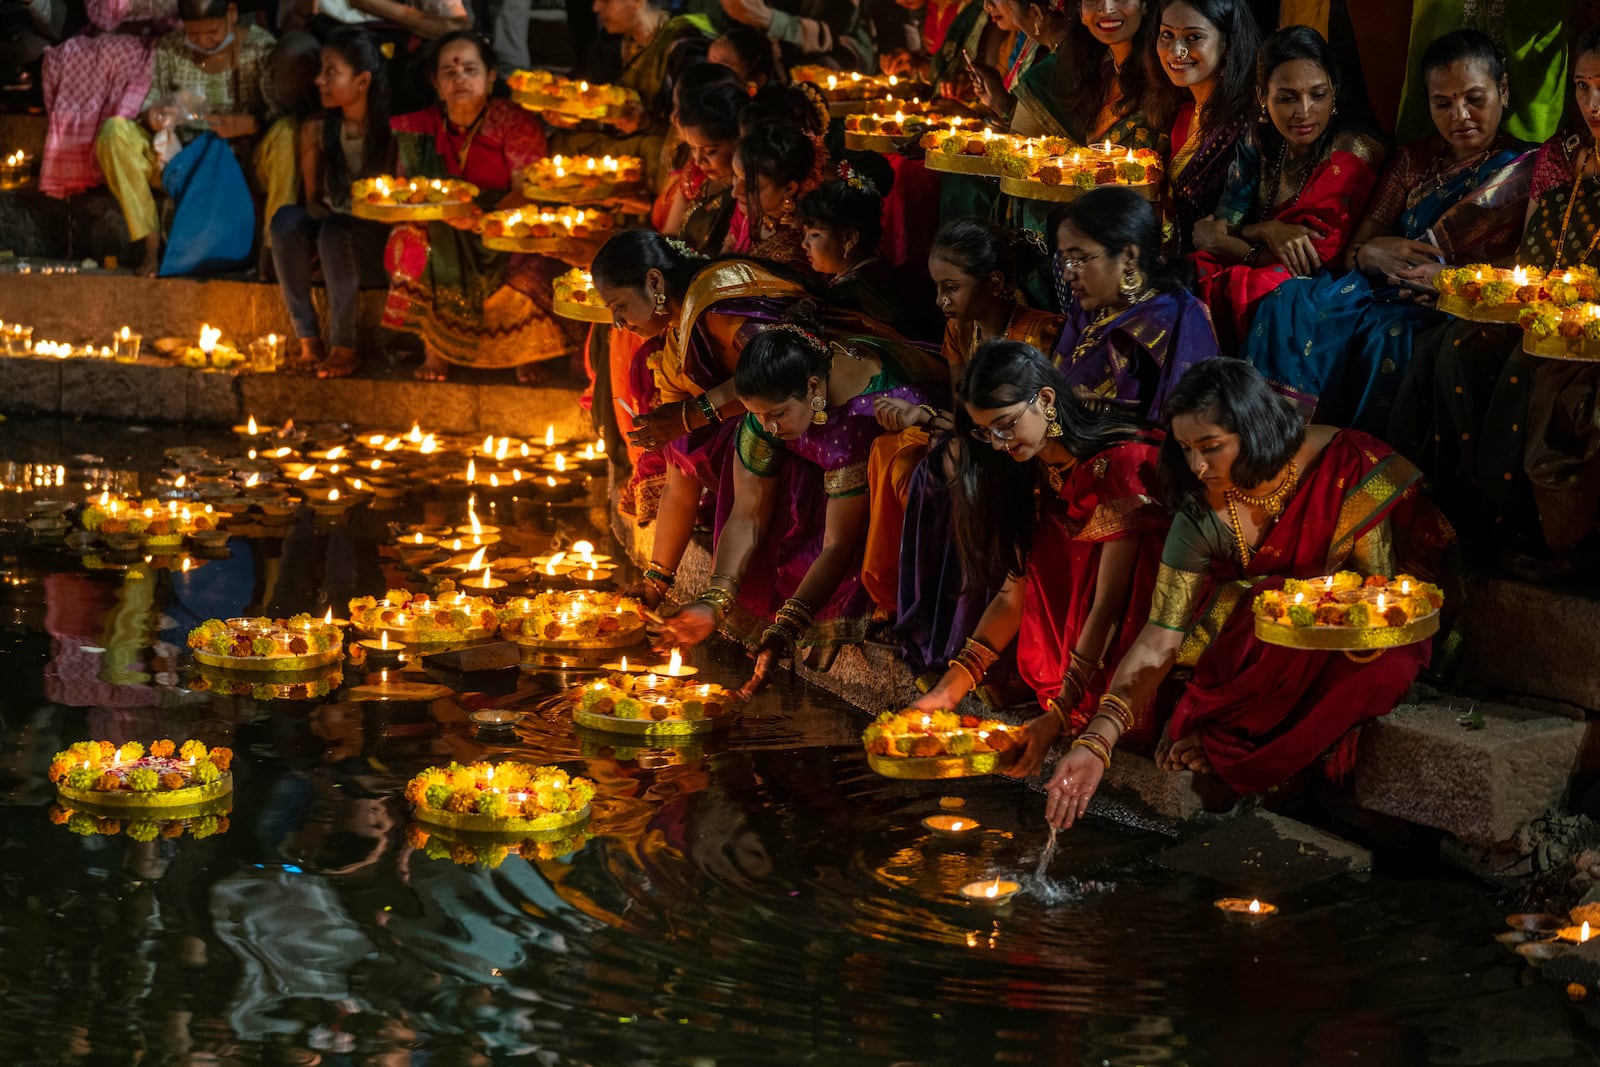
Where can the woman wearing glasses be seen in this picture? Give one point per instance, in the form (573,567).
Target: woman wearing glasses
(977,269)
(1133,328)
(1056,507)
(1258,497)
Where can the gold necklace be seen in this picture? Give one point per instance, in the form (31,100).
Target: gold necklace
(1005,332)
(1271,503)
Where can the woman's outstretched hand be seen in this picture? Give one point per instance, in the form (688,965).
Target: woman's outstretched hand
(1071,787)
(691,625)
(1038,734)
(768,656)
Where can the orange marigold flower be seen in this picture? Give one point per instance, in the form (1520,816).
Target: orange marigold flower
(416,836)
(162,748)
(107,749)
(59,770)
(222,824)
(172,780)
(59,815)
(107,782)
(172,829)
(1576,991)
(222,757)
(109,826)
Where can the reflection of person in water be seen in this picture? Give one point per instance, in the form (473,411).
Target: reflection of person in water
(320,569)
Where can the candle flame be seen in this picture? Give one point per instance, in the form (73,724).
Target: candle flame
(958,824)
(675,664)
(383,640)
(476,562)
(472,472)
(561,462)
(336,452)
(415,436)
(993,890)
(488,445)
(549,436)
(209,338)
(489,775)
(428,445)
(1583,933)
(477,527)
(333,496)
(328,618)
(550,567)
(309,473)
(624,663)
(488,575)
(250,425)
(252,480)
(1255,907)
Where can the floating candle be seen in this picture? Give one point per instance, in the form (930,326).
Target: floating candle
(1243,910)
(996,892)
(950,825)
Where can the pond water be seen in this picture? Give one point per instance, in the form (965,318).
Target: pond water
(761,898)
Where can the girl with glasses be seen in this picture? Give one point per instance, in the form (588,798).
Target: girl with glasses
(1132,326)
(1056,508)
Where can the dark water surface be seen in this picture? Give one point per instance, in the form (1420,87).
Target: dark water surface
(763,898)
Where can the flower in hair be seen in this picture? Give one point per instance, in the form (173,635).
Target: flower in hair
(683,250)
(855,179)
(805,335)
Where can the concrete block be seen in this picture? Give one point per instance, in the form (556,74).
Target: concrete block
(104,389)
(1534,640)
(272,398)
(213,397)
(30,386)
(1135,782)
(525,411)
(1419,764)
(1266,854)
(443,407)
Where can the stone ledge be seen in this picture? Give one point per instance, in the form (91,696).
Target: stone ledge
(1266,854)
(1535,641)
(158,392)
(1419,764)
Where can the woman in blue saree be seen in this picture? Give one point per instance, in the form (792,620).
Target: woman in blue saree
(1339,344)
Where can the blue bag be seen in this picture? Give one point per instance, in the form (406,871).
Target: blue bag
(214,226)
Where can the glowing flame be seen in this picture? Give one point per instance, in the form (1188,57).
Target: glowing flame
(993,890)
(1583,933)
(549,436)
(391,444)
(489,775)
(488,575)
(375,440)
(383,640)
(494,480)
(472,472)
(209,338)
(488,445)
(309,473)
(252,480)
(415,436)
(250,426)
(336,451)
(1255,907)
(624,663)
(958,824)
(675,664)
(476,562)
(561,462)
(333,496)
(585,551)
(550,567)
(328,618)
(504,447)
(428,445)
(477,527)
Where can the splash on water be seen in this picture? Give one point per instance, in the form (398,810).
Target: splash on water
(1046,856)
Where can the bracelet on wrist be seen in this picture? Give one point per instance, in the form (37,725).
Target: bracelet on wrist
(683,409)
(708,409)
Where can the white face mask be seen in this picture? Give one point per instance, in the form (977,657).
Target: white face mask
(197,50)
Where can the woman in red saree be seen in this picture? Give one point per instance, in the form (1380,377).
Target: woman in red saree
(1056,508)
(1295,191)
(1259,498)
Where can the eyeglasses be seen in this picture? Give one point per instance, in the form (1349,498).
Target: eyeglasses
(1070,266)
(1006,429)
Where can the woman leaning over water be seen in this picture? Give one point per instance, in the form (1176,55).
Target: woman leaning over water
(1057,508)
(1257,497)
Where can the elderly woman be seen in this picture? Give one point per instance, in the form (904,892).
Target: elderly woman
(1339,344)
(1295,191)
(1257,498)
(470,305)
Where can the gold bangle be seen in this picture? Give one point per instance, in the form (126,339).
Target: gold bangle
(1113,701)
(732,586)
(1084,663)
(1053,706)
(718,600)
(956,664)
(970,664)
(1099,752)
(985,656)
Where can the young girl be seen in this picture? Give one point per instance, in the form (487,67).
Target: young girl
(349,140)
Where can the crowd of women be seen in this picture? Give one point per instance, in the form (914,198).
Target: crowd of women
(1134,414)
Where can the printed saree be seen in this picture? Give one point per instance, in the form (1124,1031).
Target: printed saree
(471,305)
(1339,345)
(1132,360)
(1326,195)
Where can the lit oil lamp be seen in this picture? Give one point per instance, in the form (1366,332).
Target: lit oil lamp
(623,667)
(1242,910)
(485,583)
(1574,935)
(950,825)
(382,653)
(674,667)
(998,891)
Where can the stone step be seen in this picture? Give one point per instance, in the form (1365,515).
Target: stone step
(1420,764)
(1535,641)
(151,392)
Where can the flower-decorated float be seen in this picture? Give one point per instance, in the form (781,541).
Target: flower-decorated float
(1482,293)
(124,524)
(582,179)
(542,90)
(576,298)
(1055,169)
(509,798)
(651,705)
(414,618)
(299,643)
(549,233)
(390,199)
(167,780)
(578,620)
(939,744)
(1346,612)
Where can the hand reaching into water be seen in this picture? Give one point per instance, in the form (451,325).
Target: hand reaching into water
(1071,787)
(1039,733)
(768,657)
(691,625)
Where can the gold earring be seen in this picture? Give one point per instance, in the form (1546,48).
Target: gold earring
(1052,427)
(1264,117)
(849,246)
(1132,282)
(818,414)
(661,304)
